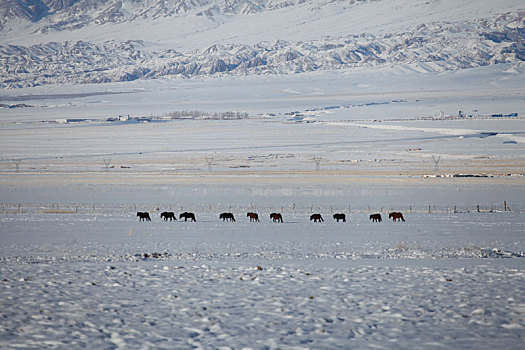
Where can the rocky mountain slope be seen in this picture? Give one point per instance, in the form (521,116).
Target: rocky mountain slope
(73,14)
(433,46)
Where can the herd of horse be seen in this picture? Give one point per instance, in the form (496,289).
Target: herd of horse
(254,217)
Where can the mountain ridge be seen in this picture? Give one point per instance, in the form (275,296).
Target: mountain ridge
(73,14)
(433,46)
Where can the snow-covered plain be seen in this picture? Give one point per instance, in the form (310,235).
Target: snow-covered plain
(78,270)
(98,278)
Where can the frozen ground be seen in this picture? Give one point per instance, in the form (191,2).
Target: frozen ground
(365,122)
(398,91)
(78,270)
(98,278)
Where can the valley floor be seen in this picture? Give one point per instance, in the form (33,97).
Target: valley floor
(78,270)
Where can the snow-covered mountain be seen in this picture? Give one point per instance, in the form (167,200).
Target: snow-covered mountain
(73,14)
(94,41)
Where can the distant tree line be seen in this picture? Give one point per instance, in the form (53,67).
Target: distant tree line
(206,115)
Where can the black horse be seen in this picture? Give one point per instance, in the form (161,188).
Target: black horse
(340,216)
(187,216)
(143,216)
(316,218)
(376,217)
(276,217)
(227,216)
(168,215)
(253,216)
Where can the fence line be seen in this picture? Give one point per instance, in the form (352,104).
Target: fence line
(290,208)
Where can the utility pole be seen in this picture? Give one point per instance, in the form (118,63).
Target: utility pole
(436,163)
(17,164)
(317,161)
(209,160)
(107,162)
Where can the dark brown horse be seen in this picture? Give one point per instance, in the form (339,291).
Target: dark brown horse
(253,216)
(396,216)
(376,217)
(187,216)
(168,215)
(143,216)
(316,218)
(340,216)
(227,216)
(276,217)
